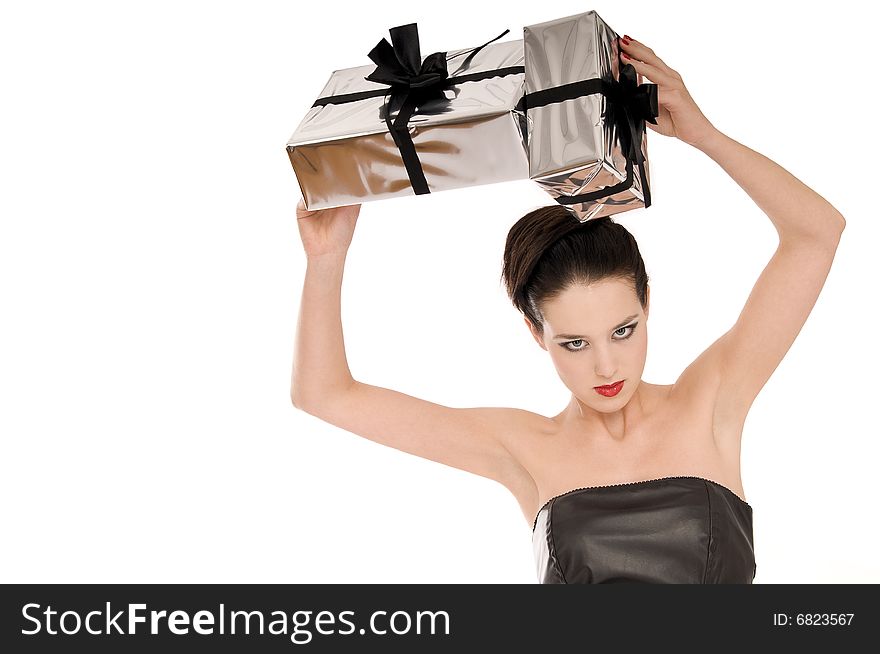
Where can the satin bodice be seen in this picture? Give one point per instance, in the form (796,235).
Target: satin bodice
(683,529)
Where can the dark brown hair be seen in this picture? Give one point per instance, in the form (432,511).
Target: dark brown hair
(549,249)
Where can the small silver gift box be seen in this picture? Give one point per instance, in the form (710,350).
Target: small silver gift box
(586,112)
(413,125)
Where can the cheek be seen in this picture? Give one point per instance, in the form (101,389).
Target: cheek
(641,346)
(636,359)
(637,347)
(569,366)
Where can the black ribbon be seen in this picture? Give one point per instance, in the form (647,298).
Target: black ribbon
(630,105)
(413,82)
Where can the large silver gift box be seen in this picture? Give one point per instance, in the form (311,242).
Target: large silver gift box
(558,107)
(586,109)
(430,124)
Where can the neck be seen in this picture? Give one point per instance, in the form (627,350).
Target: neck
(614,425)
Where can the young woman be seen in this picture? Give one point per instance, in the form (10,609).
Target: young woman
(632,481)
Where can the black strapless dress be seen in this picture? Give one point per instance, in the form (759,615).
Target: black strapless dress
(672,530)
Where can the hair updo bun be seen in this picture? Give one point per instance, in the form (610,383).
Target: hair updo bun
(549,249)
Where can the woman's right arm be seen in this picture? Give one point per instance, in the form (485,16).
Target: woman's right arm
(472,439)
(320,368)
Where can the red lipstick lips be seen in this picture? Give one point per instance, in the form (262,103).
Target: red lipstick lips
(611,390)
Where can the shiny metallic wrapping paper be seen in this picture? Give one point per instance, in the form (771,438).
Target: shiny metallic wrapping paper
(574,146)
(497,129)
(344,154)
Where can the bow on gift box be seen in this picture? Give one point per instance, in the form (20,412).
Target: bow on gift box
(412,82)
(630,104)
(401,65)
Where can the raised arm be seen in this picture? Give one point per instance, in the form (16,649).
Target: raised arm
(470,439)
(739,363)
(809,228)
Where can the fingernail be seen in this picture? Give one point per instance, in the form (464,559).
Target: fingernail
(626,55)
(627,37)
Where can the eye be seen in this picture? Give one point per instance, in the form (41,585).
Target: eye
(573,349)
(567,345)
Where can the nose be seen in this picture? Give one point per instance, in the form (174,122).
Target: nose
(606,366)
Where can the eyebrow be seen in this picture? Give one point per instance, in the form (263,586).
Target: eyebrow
(616,327)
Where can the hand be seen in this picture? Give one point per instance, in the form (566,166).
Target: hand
(326,231)
(679,115)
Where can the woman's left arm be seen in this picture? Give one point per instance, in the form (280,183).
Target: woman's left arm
(796,210)
(741,361)
(785,293)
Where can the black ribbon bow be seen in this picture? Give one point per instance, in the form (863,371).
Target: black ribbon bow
(413,82)
(402,65)
(630,104)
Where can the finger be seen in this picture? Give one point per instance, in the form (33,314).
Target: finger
(301,211)
(301,207)
(643,53)
(653,73)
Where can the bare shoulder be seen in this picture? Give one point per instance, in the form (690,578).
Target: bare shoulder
(697,388)
(517,428)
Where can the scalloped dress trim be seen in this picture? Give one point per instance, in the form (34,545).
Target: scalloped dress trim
(632,483)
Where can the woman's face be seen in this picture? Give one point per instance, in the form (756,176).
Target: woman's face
(596,335)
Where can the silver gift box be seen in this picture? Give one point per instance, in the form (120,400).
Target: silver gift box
(464,134)
(557,107)
(586,109)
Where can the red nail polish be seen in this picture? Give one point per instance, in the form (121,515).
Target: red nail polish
(625,55)
(627,37)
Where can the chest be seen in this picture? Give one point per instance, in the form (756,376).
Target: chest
(677,439)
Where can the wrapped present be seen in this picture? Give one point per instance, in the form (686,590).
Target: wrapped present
(586,111)
(411,125)
(558,107)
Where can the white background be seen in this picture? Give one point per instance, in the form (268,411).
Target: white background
(152,269)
